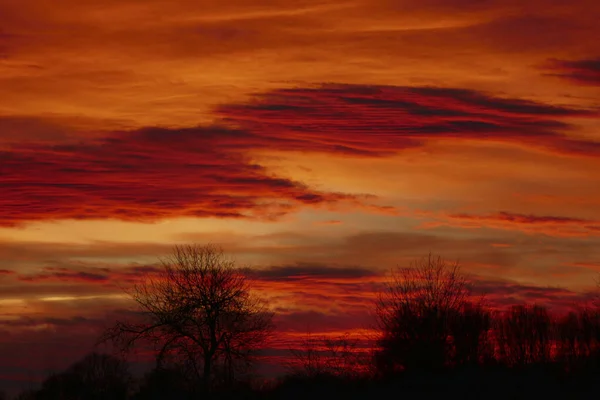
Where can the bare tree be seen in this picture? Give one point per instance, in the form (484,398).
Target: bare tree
(417,314)
(471,331)
(199,312)
(307,358)
(525,335)
(339,356)
(578,338)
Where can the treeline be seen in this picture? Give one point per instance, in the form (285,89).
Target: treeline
(206,327)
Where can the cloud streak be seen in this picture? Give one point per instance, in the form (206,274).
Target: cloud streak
(145,176)
(209,171)
(382,120)
(559,226)
(582,72)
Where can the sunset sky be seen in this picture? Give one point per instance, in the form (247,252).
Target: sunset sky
(318,142)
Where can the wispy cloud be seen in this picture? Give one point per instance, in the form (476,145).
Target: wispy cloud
(582,72)
(553,225)
(303,271)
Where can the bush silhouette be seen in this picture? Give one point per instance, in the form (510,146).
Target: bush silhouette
(95,377)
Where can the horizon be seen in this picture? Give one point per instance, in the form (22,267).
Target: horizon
(320,143)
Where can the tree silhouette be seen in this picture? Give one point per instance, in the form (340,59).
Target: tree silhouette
(471,330)
(525,335)
(95,377)
(417,313)
(338,356)
(198,313)
(578,339)
(163,383)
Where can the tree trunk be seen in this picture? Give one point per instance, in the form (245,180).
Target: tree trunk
(207,370)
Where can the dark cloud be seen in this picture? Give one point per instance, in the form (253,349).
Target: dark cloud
(303,271)
(390,248)
(304,321)
(523,218)
(547,224)
(144,269)
(55,254)
(505,288)
(75,281)
(28,322)
(503,294)
(39,289)
(65,275)
(92,275)
(583,72)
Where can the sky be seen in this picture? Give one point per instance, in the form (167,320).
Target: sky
(320,143)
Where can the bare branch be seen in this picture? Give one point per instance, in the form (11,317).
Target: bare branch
(200,311)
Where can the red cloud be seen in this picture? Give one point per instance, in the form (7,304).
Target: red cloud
(583,72)
(501,294)
(380,120)
(156,173)
(147,175)
(546,224)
